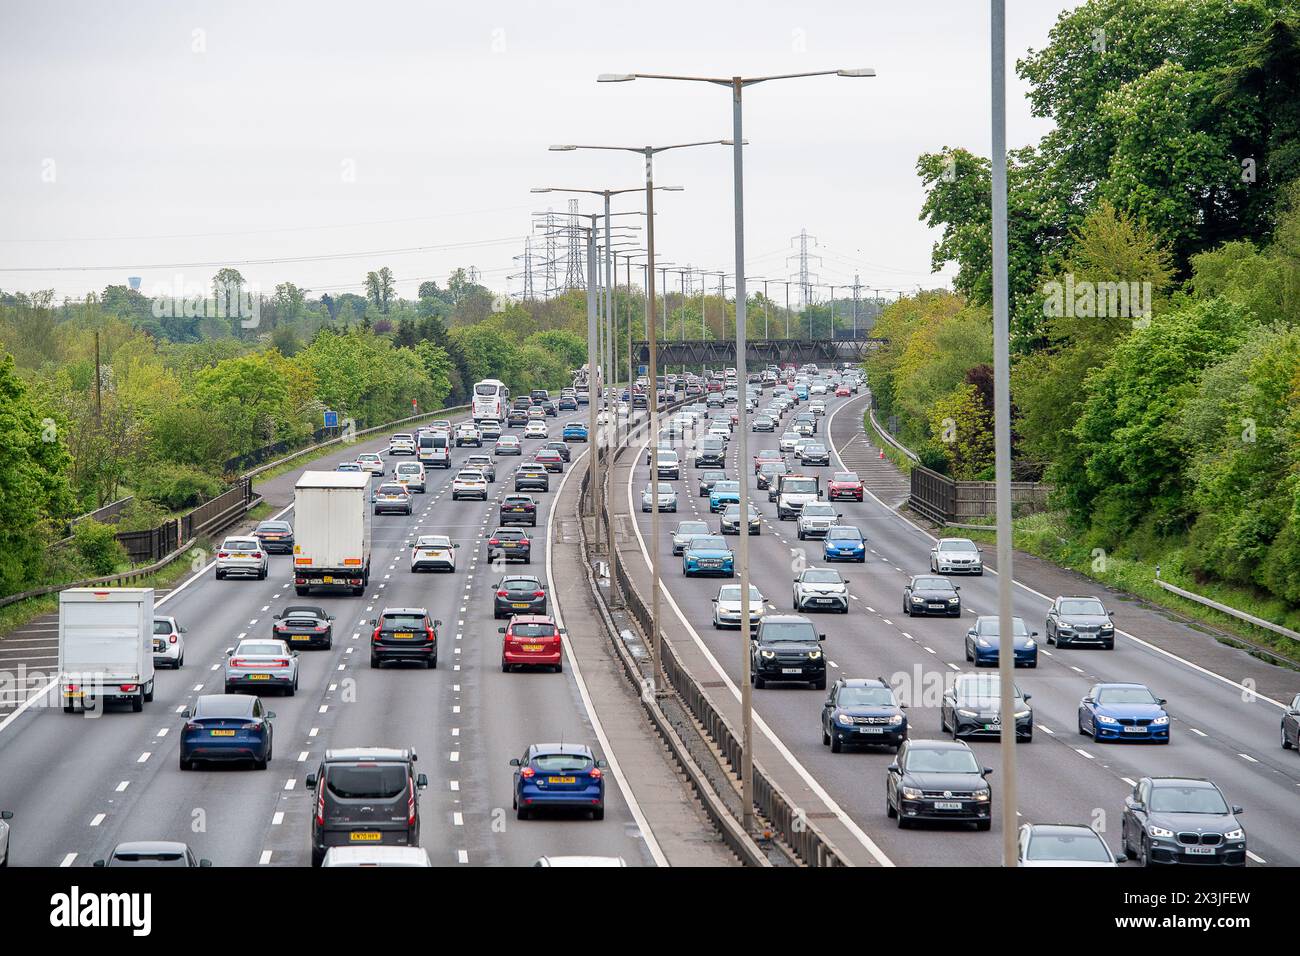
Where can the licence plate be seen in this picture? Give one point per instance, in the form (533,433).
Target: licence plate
(561,779)
(936,607)
(222,733)
(532,647)
(524,605)
(992,726)
(78,694)
(403,635)
(1199,850)
(871,730)
(516,509)
(259,676)
(1135,730)
(791,670)
(299,637)
(364,836)
(947,805)
(327,580)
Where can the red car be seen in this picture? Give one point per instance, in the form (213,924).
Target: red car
(550,459)
(842,392)
(532,640)
(844,484)
(766,455)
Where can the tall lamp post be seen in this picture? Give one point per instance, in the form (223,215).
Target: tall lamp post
(737,85)
(656,588)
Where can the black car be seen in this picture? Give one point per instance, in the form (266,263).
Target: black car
(928,594)
(562,447)
(568,403)
(518,509)
(711,453)
(938,780)
(404,634)
(532,477)
(483,463)
(763,423)
(517,418)
(365,796)
(510,544)
(815,455)
(787,648)
(1080,620)
(768,472)
(972,707)
(1181,820)
(862,711)
(303,625)
(518,594)
(550,408)
(707,479)
(276,536)
(1291,725)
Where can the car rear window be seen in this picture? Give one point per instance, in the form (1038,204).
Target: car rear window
(533,630)
(397,621)
(127,858)
(561,763)
(258,650)
(241,546)
(523,584)
(162,627)
(369,781)
(225,705)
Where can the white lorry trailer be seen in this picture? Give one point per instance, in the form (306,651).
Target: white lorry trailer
(105,647)
(331,545)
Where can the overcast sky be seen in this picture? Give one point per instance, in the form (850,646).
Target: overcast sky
(142,134)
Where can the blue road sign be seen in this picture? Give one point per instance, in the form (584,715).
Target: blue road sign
(331,419)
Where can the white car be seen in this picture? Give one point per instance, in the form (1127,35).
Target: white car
(469,483)
(817,388)
(536,429)
(468,434)
(726,606)
(623,409)
(372,463)
(817,408)
(403,443)
(411,474)
(376,856)
(787,442)
(433,552)
(803,442)
(956,556)
(1063,844)
(580,861)
(168,643)
(821,589)
(489,429)
(242,556)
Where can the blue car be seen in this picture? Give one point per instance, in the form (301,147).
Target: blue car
(575,431)
(983,641)
(722,494)
(862,711)
(559,775)
(226,727)
(1122,711)
(844,543)
(708,554)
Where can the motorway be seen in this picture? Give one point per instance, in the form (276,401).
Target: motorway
(1221,730)
(79,785)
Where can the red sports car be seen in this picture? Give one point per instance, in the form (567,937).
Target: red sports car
(844,485)
(532,640)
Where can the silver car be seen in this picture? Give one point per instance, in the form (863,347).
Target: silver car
(821,589)
(259,664)
(667,498)
(687,530)
(816,519)
(726,606)
(241,555)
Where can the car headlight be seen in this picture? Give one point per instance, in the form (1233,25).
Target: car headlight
(767,655)
(1103,719)
(981,796)
(1236,834)
(983,642)
(1107,627)
(910,793)
(967,713)
(844,719)
(1156,831)
(895,720)
(917,600)
(1021,714)
(1160,721)
(953,600)
(814,655)
(1029,642)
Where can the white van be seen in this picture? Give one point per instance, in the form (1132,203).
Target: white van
(435,449)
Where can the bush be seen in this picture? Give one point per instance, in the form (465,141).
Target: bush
(98,550)
(176,487)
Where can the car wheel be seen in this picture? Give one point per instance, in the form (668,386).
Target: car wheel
(903,822)
(1108,646)
(137,703)
(521,813)
(221,575)
(837,745)
(505,668)
(185,764)
(1082,730)
(889,809)
(759,682)
(826,738)
(598,813)
(1286,744)
(374,661)
(1143,854)
(820,684)
(433,663)
(906,610)
(983,824)
(291,690)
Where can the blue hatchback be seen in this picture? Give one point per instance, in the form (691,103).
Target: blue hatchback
(227,727)
(844,543)
(722,494)
(559,775)
(1123,711)
(575,431)
(708,554)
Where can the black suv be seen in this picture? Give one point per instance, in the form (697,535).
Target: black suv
(711,453)
(786,647)
(863,711)
(562,447)
(938,780)
(518,594)
(508,543)
(365,796)
(404,634)
(518,509)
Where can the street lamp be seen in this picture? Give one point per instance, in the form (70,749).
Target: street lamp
(737,85)
(656,585)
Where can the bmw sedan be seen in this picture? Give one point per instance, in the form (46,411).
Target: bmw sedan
(928,594)
(983,642)
(844,543)
(227,727)
(559,775)
(862,711)
(1123,711)
(262,665)
(708,554)
(956,556)
(1181,820)
(938,780)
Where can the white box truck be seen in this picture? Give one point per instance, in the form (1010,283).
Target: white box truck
(105,647)
(331,544)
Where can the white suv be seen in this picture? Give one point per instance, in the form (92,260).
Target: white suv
(821,589)
(241,555)
(468,434)
(403,443)
(469,484)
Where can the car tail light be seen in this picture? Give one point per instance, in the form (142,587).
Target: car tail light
(429,631)
(502,593)
(257,554)
(527,773)
(223,554)
(375,637)
(238,662)
(128,687)
(74,687)
(320,807)
(539,594)
(410,804)
(493,541)
(279,662)
(523,541)
(251,725)
(595,773)
(191,727)
(172,639)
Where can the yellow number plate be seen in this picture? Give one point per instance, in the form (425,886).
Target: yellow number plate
(222,733)
(367,836)
(404,635)
(327,579)
(561,780)
(259,676)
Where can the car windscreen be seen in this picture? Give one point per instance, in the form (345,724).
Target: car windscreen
(1083,607)
(367,781)
(1187,800)
(844,534)
(561,763)
(822,577)
(931,584)
(398,622)
(713,542)
(533,630)
(962,547)
(731,592)
(812,510)
(866,697)
(693,527)
(1083,847)
(921,760)
(1125,695)
(989,627)
(799,486)
(247,649)
(783,631)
